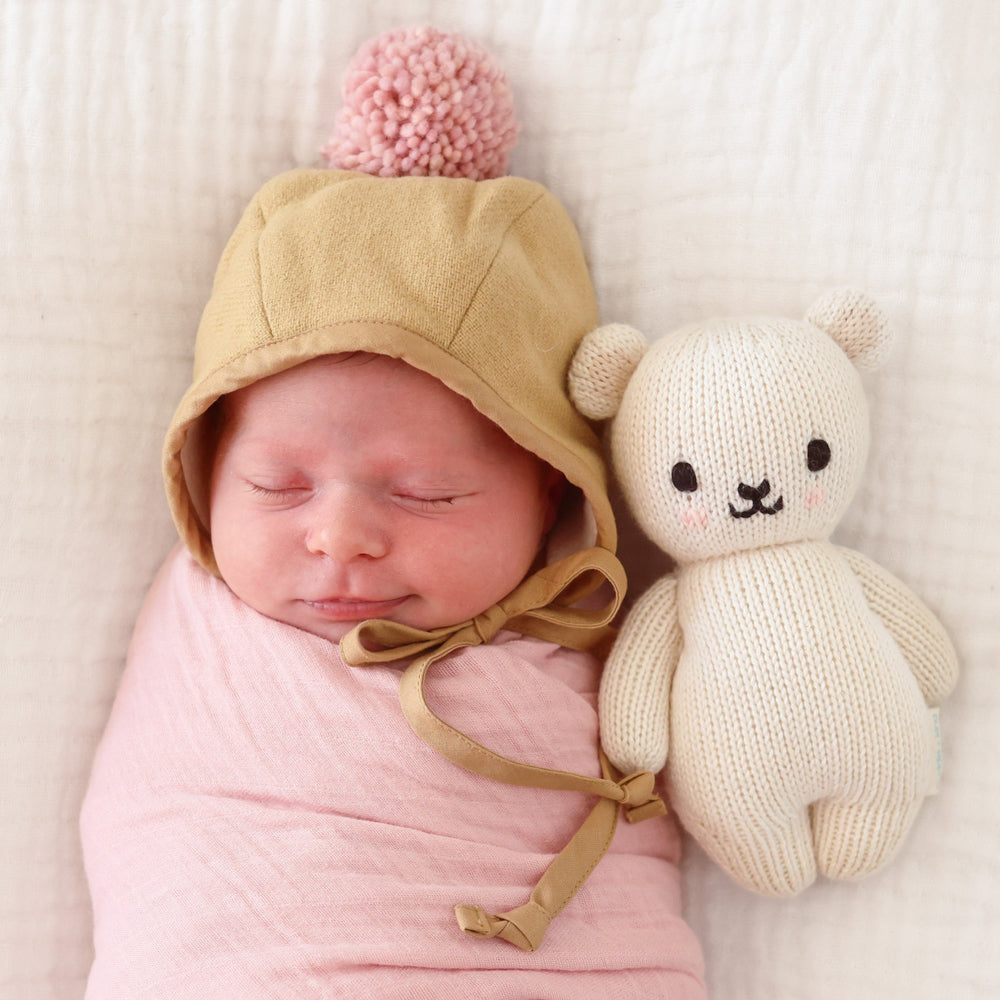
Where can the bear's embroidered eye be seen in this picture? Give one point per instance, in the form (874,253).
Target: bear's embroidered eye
(683,477)
(817,455)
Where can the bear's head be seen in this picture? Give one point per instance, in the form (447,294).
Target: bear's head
(736,434)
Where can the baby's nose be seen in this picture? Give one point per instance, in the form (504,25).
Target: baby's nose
(347,525)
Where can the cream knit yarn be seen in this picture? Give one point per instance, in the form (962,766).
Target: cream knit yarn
(786,681)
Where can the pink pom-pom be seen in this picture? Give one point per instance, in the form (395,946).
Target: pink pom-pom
(424,103)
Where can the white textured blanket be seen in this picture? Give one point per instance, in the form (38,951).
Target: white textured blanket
(731,156)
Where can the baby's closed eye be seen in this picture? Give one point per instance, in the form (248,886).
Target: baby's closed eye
(278,492)
(429,501)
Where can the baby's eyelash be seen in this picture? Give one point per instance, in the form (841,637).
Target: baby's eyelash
(273,493)
(428,503)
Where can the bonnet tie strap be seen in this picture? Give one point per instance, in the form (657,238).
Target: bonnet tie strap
(541,607)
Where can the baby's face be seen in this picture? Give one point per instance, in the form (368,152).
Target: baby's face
(359,487)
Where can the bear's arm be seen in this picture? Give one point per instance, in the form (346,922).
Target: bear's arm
(635,686)
(919,634)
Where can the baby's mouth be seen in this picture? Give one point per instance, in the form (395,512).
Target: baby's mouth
(351,609)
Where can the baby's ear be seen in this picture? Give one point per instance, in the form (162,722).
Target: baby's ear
(856,323)
(601,369)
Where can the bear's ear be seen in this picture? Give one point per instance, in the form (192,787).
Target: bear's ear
(601,368)
(856,323)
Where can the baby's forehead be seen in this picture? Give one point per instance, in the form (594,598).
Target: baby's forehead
(359,393)
(368,383)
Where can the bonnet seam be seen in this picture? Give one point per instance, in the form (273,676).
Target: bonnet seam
(496,253)
(260,276)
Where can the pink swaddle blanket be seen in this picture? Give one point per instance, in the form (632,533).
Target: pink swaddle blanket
(262,823)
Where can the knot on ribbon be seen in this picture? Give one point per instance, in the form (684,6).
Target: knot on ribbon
(490,622)
(523,927)
(640,801)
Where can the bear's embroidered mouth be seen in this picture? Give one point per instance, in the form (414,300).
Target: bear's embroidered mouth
(756,494)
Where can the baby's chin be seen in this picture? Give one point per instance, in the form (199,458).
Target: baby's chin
(334,625)
(334,631)
(331,631)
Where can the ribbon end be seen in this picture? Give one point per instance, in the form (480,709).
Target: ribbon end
(474,920)
(641,801)
(654,807)
(524,927)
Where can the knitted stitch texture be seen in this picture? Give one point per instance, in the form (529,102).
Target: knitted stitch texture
(785,681)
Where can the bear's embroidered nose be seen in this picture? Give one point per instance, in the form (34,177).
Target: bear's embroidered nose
(756,494)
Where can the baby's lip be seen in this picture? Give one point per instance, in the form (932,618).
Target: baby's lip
(350,609)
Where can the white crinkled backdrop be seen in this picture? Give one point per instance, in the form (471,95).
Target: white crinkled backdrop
(718,156)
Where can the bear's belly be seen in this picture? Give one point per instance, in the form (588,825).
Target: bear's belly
(785,668)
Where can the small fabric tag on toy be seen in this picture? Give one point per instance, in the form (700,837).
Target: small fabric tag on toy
(935,714)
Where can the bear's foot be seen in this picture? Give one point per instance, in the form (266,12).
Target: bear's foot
(771,857)
(852,841)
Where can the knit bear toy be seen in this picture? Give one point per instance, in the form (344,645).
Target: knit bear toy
(788,681)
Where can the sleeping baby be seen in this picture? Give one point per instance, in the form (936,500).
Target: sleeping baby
(355,749)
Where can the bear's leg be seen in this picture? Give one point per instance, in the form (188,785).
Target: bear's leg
(769,853)
(853,841)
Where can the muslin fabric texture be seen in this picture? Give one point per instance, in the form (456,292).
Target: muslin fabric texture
(262,823)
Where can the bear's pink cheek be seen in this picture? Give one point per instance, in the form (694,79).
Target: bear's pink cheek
(816,497)
(695,518)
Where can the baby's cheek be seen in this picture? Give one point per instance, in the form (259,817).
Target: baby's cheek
(815,497)
(695,518)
